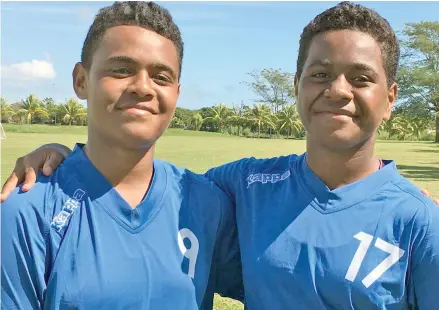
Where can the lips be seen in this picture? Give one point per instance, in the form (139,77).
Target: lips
(336,112)
(139,106)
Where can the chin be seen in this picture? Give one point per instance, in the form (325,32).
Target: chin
(139,138)
(339,141)
(135,143)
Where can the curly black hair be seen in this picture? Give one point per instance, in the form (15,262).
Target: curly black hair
(349,16)
(147,15)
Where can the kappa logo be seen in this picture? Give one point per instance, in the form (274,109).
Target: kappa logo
(265,178)
(67,210)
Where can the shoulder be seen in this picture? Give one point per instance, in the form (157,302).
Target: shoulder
(411,198)
(422,214)
(198,186)
(250,166)
(42,202)
(273,165)
(29,205)
(410,206)
(188,179)
(251,163)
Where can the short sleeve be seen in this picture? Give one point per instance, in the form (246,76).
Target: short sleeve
(23,250)
(426,261)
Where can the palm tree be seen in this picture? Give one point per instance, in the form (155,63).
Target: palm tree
(6,110)
(31,107)
(262,116)
(289,120)
(73,111)
(238,118)
(52,109)
(176,123)
(220,116)
(197,121)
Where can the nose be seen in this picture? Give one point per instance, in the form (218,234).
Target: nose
(339,90)
(142,85)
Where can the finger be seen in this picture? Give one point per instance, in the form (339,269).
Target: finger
(29,179)
(52,162)
(9,186)
(47,169)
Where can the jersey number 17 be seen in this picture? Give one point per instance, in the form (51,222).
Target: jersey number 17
(395,254)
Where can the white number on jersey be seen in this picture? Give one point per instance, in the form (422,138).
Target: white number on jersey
(395,254)
(192,252)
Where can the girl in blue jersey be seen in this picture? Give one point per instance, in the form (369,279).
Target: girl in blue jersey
(335,227)
(113,228)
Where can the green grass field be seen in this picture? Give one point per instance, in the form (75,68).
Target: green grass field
(418,161)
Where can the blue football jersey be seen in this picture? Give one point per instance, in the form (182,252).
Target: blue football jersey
(372,244)
(72,242)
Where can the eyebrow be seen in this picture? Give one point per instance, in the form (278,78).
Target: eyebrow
(156,65)
(356,65)
(122,59)
(362,66)
(323,63)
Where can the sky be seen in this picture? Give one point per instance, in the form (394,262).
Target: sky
(224,41)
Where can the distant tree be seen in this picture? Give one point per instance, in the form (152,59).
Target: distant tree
(185,118)
(197,121)
(177,123)
(6,110)
(220,114)
(31,107)
(238,117)
(53,109)
(73,112)
(262,117)
(273,87)
(418,77)
(289,120)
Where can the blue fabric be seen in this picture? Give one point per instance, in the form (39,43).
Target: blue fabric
(373,244)
(72,242)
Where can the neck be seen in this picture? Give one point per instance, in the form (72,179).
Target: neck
(337,168)
(130,171)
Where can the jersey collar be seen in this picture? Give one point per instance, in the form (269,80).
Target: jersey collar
(102,192)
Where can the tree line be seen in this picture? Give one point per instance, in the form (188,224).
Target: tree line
(273,112)
(33,110)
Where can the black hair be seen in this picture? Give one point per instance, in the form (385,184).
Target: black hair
(148,15)
(349,16)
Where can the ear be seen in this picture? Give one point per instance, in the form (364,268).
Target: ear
(80,83)
(178,90)
(296,85)
(391,100)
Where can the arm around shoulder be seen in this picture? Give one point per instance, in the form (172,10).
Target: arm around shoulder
(228,176)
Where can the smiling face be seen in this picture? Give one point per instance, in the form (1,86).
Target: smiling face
(342,93)
(131,87)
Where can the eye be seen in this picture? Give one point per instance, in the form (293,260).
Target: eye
(321,75)
(362,79)
(162,78)
(120,71)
